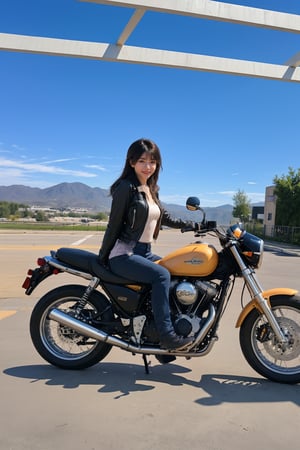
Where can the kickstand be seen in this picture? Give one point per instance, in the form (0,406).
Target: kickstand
(146,364)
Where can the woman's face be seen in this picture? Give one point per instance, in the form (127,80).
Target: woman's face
(144,167)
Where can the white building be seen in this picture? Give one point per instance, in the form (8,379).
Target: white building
(270,210)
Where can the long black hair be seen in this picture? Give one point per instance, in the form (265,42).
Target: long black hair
(134,153)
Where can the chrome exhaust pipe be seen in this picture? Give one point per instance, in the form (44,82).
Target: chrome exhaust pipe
(205,328)
(89,331)
(86,330)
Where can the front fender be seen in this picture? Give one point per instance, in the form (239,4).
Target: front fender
(267,295)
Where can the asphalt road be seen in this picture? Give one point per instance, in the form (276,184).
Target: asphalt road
(216,402)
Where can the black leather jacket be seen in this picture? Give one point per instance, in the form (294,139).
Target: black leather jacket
(128,216)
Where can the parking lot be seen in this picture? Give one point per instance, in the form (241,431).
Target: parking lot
(216,402)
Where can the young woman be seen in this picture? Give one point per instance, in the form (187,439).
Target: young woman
(135,219)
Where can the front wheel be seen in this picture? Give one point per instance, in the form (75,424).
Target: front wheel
(59,344)
(261,348)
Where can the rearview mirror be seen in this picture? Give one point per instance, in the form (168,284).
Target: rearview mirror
(193,203)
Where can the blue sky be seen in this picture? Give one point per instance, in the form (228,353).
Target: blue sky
(67,119)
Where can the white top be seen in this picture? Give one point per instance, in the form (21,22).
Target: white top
(153,216)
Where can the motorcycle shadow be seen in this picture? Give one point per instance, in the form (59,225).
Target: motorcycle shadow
(112,377)
(124,379)
(222,388)
(278,251)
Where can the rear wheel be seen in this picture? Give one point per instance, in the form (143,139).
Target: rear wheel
(261,347)
(59,344)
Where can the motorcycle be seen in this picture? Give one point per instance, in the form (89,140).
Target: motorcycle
(76,326)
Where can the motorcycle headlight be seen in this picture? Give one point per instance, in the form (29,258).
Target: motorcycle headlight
(252,249)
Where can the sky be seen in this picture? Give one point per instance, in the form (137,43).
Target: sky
(72,120)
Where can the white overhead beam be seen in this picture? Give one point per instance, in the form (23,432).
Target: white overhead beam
(135,18)
(214,10)
(147,56)
(294,61)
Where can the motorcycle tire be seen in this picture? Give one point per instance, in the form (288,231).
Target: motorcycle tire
(261,348)
(60,345)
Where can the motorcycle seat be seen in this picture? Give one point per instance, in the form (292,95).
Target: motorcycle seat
(89,262)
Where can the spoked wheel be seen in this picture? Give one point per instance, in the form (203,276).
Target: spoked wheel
(260,346)
(59,344)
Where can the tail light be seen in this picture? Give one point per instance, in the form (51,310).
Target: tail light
(26,283)
(41,262)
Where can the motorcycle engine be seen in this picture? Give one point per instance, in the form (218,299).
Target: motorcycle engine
(188,318)
(187,293)
(186,325)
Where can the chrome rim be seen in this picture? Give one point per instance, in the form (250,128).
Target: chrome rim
(275,357)
(62,341)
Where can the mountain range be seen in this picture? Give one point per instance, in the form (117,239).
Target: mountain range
(63,195)
(79,195)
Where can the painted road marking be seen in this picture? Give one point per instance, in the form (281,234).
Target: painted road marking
(36,247)
(4,314)
(82,240)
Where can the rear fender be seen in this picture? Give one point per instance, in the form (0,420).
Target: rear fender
(267,295)
(36,277)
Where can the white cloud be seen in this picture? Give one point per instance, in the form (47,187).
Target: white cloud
(253,196)
(256,196)
(96,166)
(227,193)
(43,168)
(10,172)
(59,160)
(17,147)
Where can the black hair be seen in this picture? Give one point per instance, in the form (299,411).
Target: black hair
(134,153)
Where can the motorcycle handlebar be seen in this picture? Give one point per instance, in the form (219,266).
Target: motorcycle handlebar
(200,226)
(187,228)
(211,225)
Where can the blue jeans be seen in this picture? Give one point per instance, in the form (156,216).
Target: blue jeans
(141,267)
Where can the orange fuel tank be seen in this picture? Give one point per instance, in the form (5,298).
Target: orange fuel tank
(198,259)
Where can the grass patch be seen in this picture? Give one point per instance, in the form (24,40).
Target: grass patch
(50,226)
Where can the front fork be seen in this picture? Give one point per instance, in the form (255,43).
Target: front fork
(260,298)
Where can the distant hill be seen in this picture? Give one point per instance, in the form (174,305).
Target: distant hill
(63,195)
(79,195)
(221,214)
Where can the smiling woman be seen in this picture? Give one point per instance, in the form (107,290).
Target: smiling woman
(135,220)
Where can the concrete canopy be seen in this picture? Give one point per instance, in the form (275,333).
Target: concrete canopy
(199,9)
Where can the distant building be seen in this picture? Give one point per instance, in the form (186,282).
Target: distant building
(258,213)
(270,210)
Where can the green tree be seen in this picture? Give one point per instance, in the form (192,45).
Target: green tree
(287,191)
(241,208)
(4,210)
(100,216)
(13,208)
(41,216)
(9,209)
(26,213)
